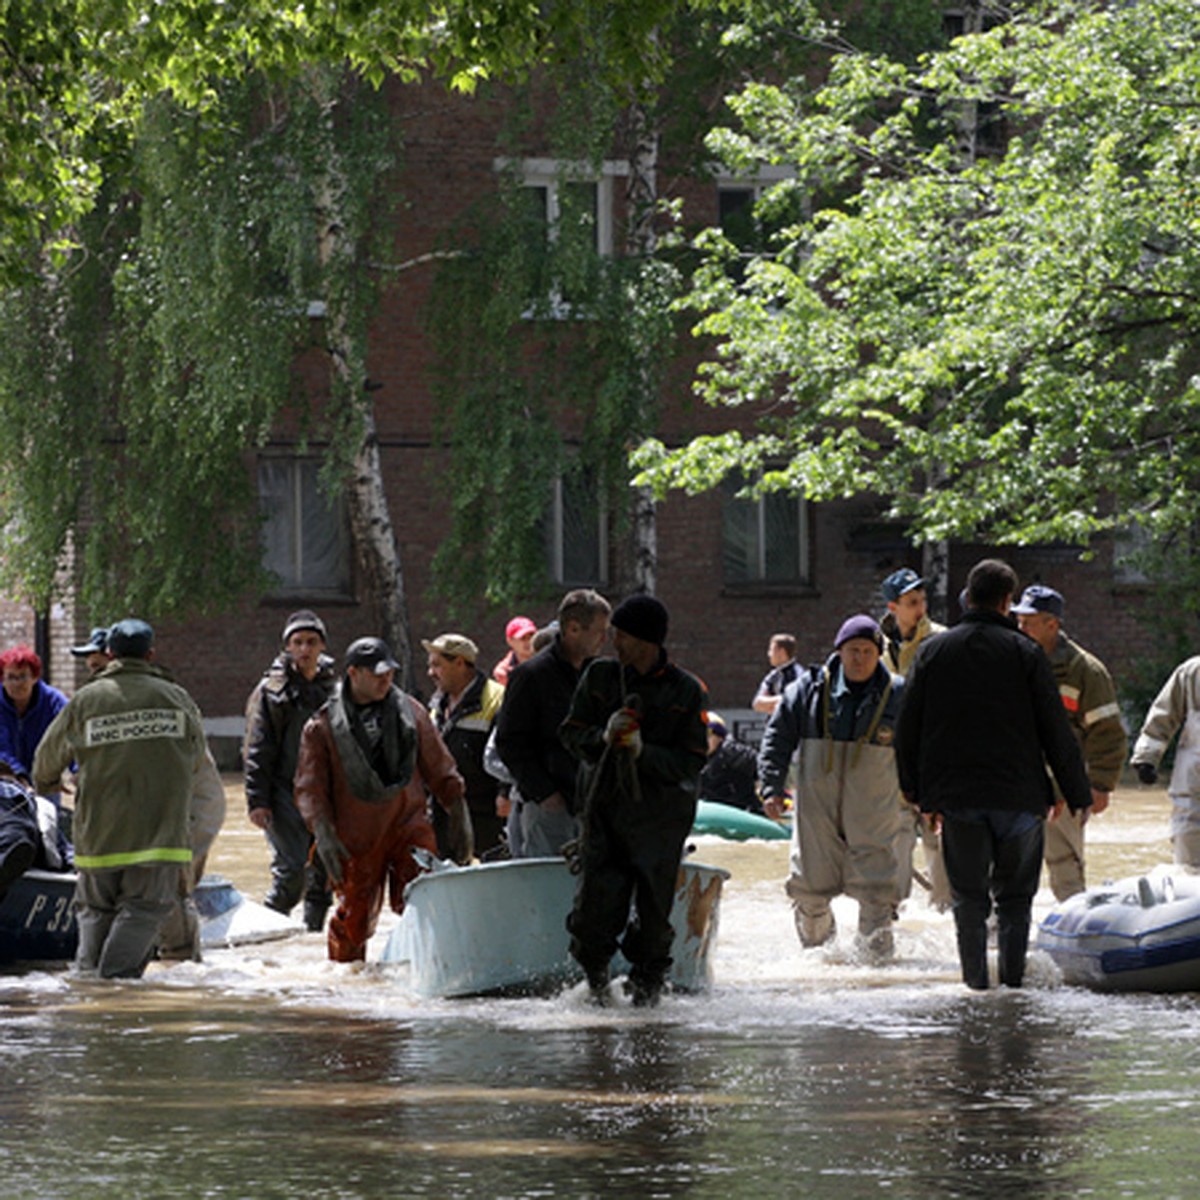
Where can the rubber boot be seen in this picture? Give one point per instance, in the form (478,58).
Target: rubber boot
(972,952)
(815,928)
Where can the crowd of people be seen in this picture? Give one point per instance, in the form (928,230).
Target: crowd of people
(987,744)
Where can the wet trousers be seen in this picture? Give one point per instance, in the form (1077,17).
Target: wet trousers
(119,911)
(1185,829)
(843,845)
(387,864)
(992,857)
(629,858)
(292,874)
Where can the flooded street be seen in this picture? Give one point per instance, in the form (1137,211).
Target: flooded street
(268,1072)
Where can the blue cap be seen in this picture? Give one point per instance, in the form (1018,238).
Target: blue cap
(96,643)
(1040,599)
(899,582)
(130,638)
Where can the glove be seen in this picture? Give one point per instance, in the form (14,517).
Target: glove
(1147,773)
(460,836)
(332,853)
(622,731)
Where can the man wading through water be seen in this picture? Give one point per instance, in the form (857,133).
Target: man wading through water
(637,726)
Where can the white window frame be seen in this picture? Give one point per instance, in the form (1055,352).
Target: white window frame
(551,173)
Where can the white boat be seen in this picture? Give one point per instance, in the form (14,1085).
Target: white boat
(37,917)
(1138,934)
(501,928)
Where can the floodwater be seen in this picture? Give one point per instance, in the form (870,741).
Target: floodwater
(268,1072)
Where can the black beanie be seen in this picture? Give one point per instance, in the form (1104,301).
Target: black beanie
(643,617)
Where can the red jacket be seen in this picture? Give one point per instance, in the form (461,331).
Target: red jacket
(321,788)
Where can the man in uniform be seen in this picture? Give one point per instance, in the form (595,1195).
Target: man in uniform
(1176,708)
(297,683)
(1090,701)
(636,725)
(138,740)
(781,654)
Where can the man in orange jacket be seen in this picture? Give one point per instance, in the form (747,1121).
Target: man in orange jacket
(366,760)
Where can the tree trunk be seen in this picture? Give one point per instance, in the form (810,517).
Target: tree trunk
(641,242)
(375,543)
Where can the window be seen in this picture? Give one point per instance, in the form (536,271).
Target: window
(749,230)
(576,532)
(570,212)
(764,540)
(306,542)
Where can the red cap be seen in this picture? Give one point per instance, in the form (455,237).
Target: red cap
(519,627)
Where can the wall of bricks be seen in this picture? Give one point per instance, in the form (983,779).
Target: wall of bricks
(450,147)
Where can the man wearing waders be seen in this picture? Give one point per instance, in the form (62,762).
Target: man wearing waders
(842,717)
(636,725)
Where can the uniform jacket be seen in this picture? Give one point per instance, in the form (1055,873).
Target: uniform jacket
(139,742)
(674,739)
(898,652)
(20,734)
(1090,701)
(775,681)
(536,700)
(845,738)
(323,792)
(465,730)
(276,712)
(981,718)
(1176,707)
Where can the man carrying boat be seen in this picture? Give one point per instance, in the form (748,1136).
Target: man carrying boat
(366,759)
(636,725)
(138,740)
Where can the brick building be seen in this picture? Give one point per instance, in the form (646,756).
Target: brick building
(731,572)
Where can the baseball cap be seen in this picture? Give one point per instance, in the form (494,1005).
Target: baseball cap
(96,644)
(453,645)
(372,654)
(1039,599)
(519,627)
(899,582)
(130,638)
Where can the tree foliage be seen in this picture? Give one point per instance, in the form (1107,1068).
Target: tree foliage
(999,340)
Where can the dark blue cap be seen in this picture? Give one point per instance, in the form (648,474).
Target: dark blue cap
(899,582)
(130,638)
(1040,599)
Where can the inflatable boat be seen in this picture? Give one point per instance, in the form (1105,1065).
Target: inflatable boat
(500,928)
(736,824)
(37,919)
(1138,934)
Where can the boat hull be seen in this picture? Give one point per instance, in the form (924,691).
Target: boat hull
(501,928)
(1138,934)
(37,917)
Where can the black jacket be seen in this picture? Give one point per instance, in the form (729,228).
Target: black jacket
(981,718)
(536,700)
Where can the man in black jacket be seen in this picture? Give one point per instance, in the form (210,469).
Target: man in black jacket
(536,700)
(980,720)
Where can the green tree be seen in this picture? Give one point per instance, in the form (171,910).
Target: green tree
(1000,345)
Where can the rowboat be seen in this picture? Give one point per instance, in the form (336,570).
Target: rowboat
(500,927)
(37,918)
(1137,934)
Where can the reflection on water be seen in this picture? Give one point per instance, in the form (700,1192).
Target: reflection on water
(271,1073)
